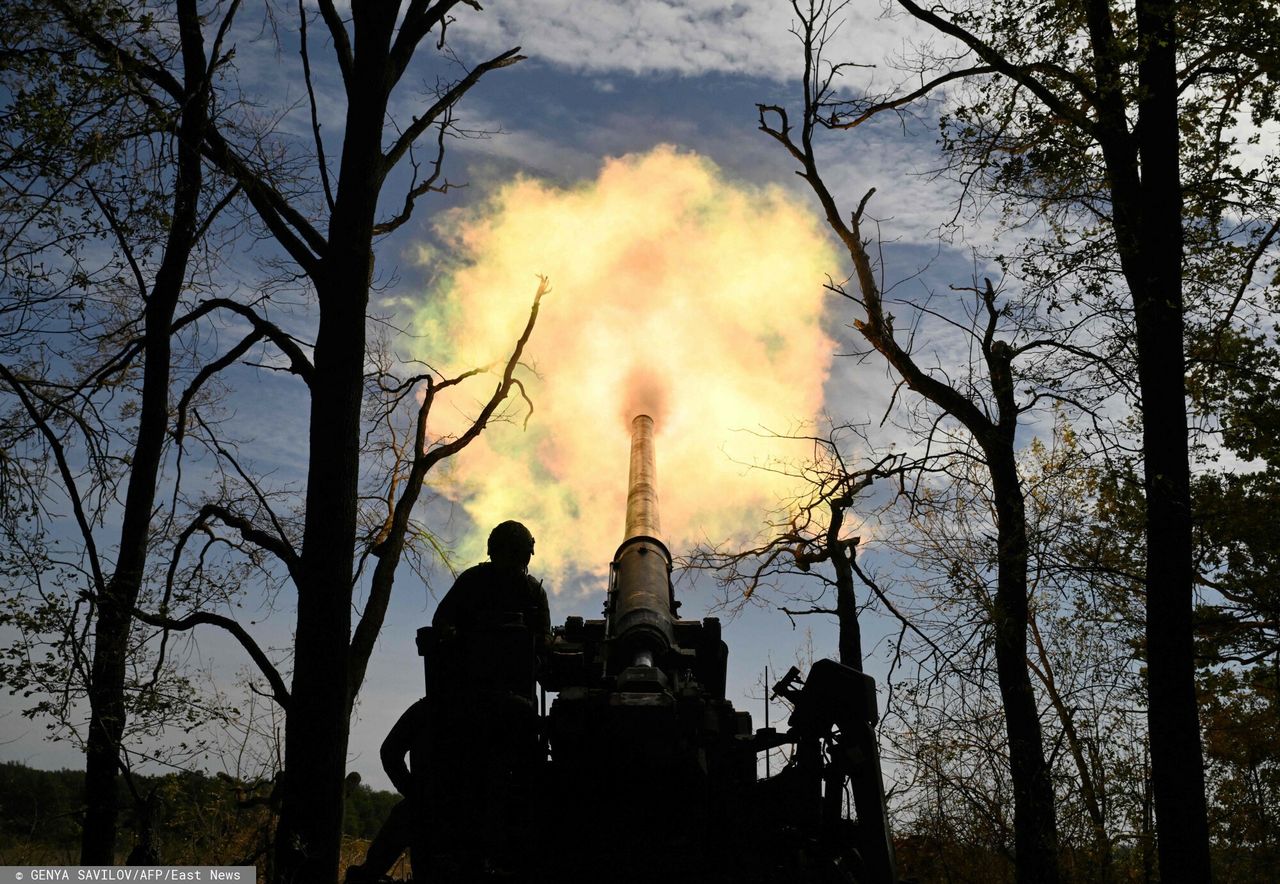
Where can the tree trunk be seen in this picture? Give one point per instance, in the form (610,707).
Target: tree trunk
(115,606)
(1146,192)
(1088,787)
(317,722)
(309,835)
(1035,826)
(1148,218)
(1035,817)
(841,554)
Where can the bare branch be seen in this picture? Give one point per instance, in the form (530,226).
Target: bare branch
(321,163)
(441,452)
(275,544)
(419,19)
(278,689)
(64,471)
(444,103)
(341,41)
(123,241)
(996,60)
(427,185)
(299,364)
(391,542)
(228,358)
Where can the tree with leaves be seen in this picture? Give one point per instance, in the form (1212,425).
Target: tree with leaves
(328,659)
(327,225)
(76,126)
(1113,126)
(984,414)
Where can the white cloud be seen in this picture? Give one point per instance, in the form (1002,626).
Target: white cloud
(656,37)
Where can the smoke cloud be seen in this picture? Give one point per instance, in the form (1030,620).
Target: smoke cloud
(674,293)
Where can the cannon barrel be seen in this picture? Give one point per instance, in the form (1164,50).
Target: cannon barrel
(652,772)
(641,608)
(642,482)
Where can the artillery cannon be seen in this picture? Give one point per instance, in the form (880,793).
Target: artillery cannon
(646,772)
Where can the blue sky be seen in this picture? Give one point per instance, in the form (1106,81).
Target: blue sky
(624,79)
(604,80)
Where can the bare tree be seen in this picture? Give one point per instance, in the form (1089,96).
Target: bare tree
(808,532)
(993,432)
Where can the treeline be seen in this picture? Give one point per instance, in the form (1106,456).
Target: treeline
(189,817)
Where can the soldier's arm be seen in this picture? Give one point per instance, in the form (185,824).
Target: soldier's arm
(395,748)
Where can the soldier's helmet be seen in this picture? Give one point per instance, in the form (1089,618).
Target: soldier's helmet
(510,542)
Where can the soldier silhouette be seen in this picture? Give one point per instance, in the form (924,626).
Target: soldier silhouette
(493,629)
(397,833)
(472,741)
(490,593)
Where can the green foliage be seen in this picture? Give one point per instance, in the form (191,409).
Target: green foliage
(38,811)
(366,811)
(1239,530)
(1042,169)
(1237,383)
(195,818)
(1236,377)
(1241,718)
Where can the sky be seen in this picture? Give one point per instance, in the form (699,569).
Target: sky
(631,173)
(622,161)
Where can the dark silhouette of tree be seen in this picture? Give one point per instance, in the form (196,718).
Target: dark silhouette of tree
(808,538)
(327,227)
(989,415)
(60,155)
(372,57)
(1077,114)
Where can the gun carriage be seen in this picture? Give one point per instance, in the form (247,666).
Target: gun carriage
(642,770)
